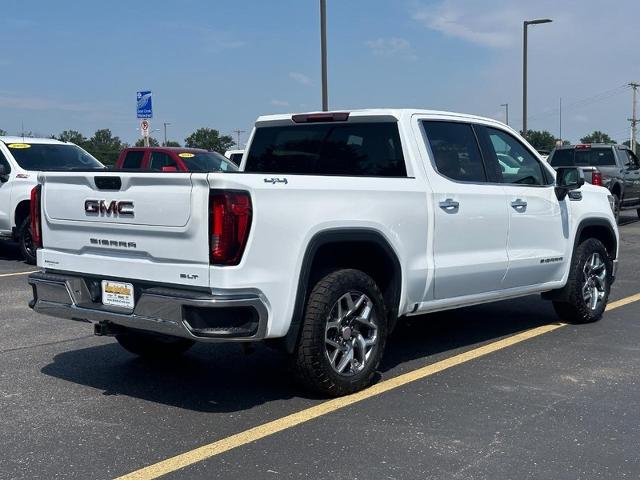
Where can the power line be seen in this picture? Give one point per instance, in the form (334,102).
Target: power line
(583,102)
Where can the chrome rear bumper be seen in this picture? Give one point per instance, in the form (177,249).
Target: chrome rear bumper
(208,317)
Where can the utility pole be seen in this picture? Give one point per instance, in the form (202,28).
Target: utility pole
(525,24)
(238,132)
(323,53)
(506,112)
(165,133)
(560,136)
(634,117)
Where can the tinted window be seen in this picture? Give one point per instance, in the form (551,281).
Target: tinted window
(5,163)
(583,157)
(161,159)
(47,156)
(207,162)
(455,151)
(517,164)
(133,159)
(236,158)
(358,149)
(635,163)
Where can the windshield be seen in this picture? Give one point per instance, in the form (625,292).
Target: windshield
(207,162)
(52,156)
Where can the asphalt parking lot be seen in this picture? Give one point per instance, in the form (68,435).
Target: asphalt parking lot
(564,404)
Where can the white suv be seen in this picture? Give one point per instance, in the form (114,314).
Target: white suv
(20,161)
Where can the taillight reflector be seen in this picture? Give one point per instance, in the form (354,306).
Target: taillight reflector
(230,221)
(596,178)
(36,224)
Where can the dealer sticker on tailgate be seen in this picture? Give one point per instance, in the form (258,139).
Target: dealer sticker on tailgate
(117,294)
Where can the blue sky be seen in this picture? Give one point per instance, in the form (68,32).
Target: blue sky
(78,64)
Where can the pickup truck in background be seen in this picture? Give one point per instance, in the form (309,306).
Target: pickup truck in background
(339,224)
(615,167)
(173,159)
(234,155)
(21,158)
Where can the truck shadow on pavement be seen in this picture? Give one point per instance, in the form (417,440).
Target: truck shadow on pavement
(220,378)
(10,251)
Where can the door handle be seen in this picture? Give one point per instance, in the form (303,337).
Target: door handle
(519,204)
(450,205)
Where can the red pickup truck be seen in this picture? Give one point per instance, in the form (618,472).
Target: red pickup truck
(173,159)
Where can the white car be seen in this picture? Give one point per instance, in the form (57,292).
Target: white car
(234,155)
(21,158)
(340,223)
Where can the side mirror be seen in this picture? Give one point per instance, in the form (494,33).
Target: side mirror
(567,179)
(4,176)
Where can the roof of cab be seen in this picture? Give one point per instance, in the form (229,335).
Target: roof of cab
(31,140)
(396,113)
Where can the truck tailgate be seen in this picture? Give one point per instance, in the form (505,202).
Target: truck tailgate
(130,225)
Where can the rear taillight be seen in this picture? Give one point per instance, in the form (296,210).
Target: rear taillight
(36,224)
(596,178)
(230,221)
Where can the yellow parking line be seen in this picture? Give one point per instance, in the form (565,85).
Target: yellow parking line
(256,433)
(15,274)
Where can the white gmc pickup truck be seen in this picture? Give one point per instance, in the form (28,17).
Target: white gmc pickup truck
(338,224)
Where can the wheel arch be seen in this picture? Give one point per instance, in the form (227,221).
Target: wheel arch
(347,248)
(600,229)
(21,212)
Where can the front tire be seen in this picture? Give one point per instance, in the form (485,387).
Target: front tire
(25,241)
(149,345)
(343,336)
(588,286)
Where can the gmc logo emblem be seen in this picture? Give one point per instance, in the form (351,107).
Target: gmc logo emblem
(114,208)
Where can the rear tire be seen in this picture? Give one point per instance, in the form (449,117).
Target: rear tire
(150,345)
(25,241)
(616,207)
(343,336)
(588,286)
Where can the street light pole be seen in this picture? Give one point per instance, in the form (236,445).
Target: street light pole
(506,112)
(165,133)
(525,24)
(323,53)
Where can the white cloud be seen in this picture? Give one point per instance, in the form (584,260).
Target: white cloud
(301,78)
(279,103)
(476,23)
(391,47)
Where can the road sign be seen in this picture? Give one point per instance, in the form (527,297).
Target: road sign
(144,109)
(145,126)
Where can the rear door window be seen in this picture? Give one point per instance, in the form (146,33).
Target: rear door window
(159,160)
(351,149)
(133,159)
(583,157)
(455,151)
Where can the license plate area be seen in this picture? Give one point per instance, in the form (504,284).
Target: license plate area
(118,294)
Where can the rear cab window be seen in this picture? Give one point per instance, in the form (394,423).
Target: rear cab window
(349,149)
(159,160)
(133,159)
(583,157)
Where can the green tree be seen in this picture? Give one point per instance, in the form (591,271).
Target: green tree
(104,146)
(541,139)
(172,143)
(152,142)
(209,139)
(597,137)
(72,136)
(3,132)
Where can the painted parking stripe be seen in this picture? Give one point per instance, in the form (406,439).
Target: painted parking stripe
(267,429)
(15,274)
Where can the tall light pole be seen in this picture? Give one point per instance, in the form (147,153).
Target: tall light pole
(525,24)
(165,133)
(323,53)
(506,112)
